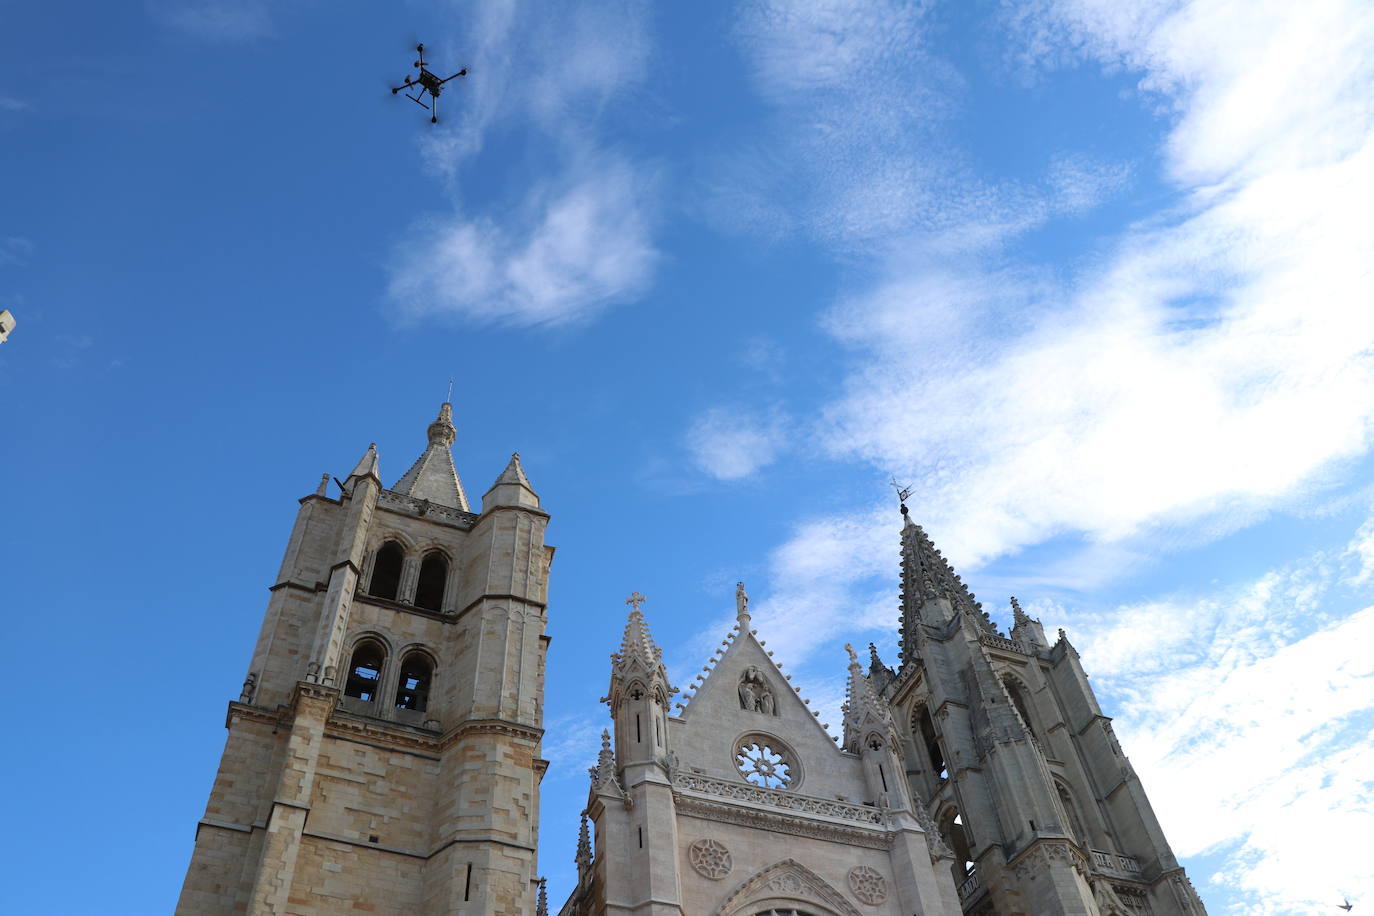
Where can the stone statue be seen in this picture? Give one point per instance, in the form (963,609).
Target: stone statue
(746,693)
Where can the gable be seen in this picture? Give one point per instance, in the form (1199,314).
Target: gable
(746,703)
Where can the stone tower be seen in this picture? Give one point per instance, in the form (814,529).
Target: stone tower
(743,804)
(384,754)
(1016,763)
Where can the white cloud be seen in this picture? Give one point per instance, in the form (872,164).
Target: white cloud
(730,445)
(579,239)
(566,253)
(10,103)
(216,20)
(1248,717)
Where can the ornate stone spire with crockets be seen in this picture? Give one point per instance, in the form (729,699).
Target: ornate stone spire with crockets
(639,659)
(433,476)
(926,575)
(862,709)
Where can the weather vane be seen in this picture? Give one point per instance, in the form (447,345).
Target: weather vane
(902,493)
(426,83)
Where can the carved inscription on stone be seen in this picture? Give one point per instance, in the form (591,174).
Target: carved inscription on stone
(868,884)
(710,858)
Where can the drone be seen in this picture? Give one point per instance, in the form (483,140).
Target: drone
(427,82)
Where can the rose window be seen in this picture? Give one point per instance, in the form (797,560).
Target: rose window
(763,765)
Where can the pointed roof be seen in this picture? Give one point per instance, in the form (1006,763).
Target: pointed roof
(927,574)
(512,487)
(638,656)
(433,476)
(367,465)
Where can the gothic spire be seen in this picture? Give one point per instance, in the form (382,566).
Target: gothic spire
(1018,616)
(639,657)
(583,857)
(861,705)
(433,476)
(926,575)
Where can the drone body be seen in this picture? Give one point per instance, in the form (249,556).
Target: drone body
(427,83)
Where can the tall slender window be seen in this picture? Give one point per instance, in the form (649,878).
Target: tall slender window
(429,591)
(412,689)
(1019,701)
(386,571)
(365,671)
(932,745)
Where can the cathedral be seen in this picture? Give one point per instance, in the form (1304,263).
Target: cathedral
(384,753)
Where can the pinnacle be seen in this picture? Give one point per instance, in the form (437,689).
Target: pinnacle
(367,465)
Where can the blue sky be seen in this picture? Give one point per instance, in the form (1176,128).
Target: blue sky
(1094,277)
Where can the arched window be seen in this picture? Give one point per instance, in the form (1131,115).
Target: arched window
(429,591)
(412,689)
(952,831)
(386,571)
(926,728)
(365,671)
(1018,700)
(1075,826)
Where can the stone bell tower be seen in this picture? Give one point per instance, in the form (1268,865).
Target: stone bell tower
(1017,766)
(384,754)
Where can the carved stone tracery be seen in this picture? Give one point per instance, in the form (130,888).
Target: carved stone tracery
(868,884)
(710,858)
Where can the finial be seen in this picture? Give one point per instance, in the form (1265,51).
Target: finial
(853,656)
(323,488)
(441,431)
(448,398)
(873,659)
(634,601)
(741,603)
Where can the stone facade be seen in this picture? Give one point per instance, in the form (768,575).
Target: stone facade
(978,777)
(384,755)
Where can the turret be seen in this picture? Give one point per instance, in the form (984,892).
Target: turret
(512,488)
(639,693)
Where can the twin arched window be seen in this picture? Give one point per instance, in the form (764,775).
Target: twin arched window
(365,676)
(388,567)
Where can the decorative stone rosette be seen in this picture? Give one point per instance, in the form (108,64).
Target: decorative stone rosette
(868,884)
(710,858)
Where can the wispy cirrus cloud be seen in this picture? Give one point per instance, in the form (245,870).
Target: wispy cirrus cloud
(730,444)
(579,238)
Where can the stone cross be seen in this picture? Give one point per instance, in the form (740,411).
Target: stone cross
(635,600)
